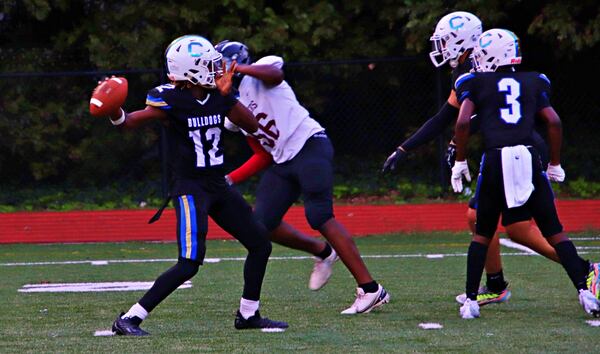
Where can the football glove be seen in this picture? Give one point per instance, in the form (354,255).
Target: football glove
(392,161)
(451,154)
(555,173)
(460,169)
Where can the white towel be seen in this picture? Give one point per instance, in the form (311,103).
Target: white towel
(517,175)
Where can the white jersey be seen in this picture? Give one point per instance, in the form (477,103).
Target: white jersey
(284,124)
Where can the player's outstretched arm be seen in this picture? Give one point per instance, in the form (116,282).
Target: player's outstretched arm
(269,74)
(137,118)
(243,118)
(260,160)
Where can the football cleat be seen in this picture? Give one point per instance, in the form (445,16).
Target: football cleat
(322,271)
(128,326)
(257,322)
(589,302)
(365,302)
(469,310)
(486,296)
(593,283)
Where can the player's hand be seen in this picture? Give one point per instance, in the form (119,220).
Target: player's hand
(460,169)
(224,81)
(392,161)
(555,173)
(228,180)
(451,154)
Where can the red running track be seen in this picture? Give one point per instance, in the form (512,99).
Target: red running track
(360,220)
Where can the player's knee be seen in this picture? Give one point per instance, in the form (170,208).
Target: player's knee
(261,250)
(187,268)
(316,219)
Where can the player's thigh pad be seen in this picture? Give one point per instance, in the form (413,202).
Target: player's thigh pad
(314,168)
(192,226)
(490,196)
(541,204)
(277,191)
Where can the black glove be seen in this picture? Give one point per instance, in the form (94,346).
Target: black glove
(392,160)
(451,154)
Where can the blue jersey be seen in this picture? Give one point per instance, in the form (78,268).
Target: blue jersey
(194,130)
(506,104)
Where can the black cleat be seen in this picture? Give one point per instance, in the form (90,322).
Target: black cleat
(257,322)
(128,326)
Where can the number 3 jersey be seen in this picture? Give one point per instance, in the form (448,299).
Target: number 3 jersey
(285,124)
(506,104)
(194,132)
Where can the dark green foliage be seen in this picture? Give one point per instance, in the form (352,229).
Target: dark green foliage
(368,105)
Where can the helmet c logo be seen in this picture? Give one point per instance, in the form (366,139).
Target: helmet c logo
(483,45)
(457,25)
(191,51)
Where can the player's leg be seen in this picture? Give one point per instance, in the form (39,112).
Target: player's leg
(314,170)
(276,192)
(488,214)
(234,215)
(528,234)
(541,205)
(192,225)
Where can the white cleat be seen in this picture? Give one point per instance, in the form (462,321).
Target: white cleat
(365,302)
(469,310)
(589,302)
(322,271)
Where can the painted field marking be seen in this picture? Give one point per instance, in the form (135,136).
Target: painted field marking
(593,323)
(104,333)
(92,287)
(272,330)
(431,325)
(279,258)
(510,244)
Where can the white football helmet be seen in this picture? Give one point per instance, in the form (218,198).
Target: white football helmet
(454,34)
(496,47)
(193,58)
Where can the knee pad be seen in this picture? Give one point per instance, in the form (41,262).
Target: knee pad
(318,214)
(187,268)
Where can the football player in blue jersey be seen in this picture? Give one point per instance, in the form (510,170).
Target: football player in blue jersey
(512,181)
(453,40)
(193,112)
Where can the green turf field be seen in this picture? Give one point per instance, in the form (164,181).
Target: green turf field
(542,316)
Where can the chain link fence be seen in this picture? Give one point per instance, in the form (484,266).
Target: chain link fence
(367,106)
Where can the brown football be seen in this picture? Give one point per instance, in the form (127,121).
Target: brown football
(108,96)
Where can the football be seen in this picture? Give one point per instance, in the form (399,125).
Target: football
(108,96)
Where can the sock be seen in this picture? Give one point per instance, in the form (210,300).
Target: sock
(248,307)
(495,282)
(369,287)
(324,253)
(475,264)
(136,311)
(571,262)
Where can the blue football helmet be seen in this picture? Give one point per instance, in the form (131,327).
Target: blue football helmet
(233,51)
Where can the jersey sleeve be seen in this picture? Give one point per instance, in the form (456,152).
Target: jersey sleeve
(463,86)
(156,97)
(543,99)
(270,60)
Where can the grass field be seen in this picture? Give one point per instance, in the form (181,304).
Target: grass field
(543,315)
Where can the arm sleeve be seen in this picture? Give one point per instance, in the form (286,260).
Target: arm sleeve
(256,163)
(432,128)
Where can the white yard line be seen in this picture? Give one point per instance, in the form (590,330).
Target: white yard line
(510,244)
(216,260)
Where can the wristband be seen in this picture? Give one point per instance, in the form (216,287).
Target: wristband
(121,119)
